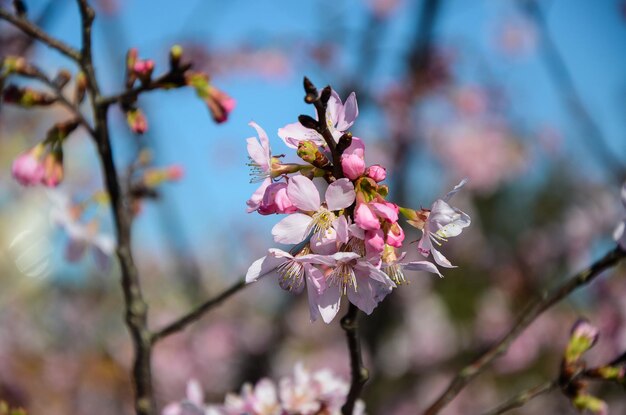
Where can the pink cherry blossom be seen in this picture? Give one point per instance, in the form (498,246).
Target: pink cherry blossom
(262,399)
(350,274)
(192,404)
(339,117)
(443,222)
(315,216)
(353,159)
(369,215)
(394,267)
(275,200)
(260,154)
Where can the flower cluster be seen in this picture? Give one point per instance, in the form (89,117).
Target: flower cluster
(346,236)
(304,393)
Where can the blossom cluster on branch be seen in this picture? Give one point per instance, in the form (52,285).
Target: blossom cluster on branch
(349,241)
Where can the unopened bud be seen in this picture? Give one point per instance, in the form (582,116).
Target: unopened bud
(590,403)
(582,338)
(344,142)
(81,87)
(53,168)
(310,152)
(308,122)
(62,78)
(60,131)
(136,121)
(26,97)
(154,177)
(325,95)
(310,91)
(376,172)
(131,59)
(176,54)
(415,218)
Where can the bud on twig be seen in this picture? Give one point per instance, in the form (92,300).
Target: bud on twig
(344,142)
(81,88)
(131,76)
(310,152)
(325,96)
(62,78)
(176,53)
(136,120)
(27,97)
(20,8)
(60,131)
(308,122)
(310,90)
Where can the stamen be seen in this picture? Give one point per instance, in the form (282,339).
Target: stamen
(322,221)
(343,275)
(257,172)
(291,275)
(394,271)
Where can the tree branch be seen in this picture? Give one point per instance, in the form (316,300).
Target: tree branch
(360,375)
(522,398)
(35,32)
(197,312)
(136,309)
(530,313)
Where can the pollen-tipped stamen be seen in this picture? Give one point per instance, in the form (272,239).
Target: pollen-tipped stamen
(257,173)
(291,275)
(343,275)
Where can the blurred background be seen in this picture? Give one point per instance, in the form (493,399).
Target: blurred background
(525,98)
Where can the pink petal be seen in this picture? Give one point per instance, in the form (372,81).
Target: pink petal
(292,229)
(365,218)
(374,243)
(349,113)
(194,392)
(352,166)
(386,210)
(258,153)
(265,142)
(356,147)
(363,296)
(341,226)
(303,193)
(441,260)
(257,197)
(340,194)
(315,284)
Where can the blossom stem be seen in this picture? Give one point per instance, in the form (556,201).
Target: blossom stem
(197,312)
(359,373)
(522,398)
(530,314)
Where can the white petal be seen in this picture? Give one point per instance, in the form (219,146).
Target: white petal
(421,266)
(292,134)
(329,302)
(262,267)
(303,193)
(455,190)
(194,392)
(292,229)
(340,194)
(348,113)
(258,153)
(265,142)
(441,260)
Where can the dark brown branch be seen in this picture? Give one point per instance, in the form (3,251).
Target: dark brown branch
(169,79)
(530,313)
(522,398)
(136,308)
(359,373)
(197,312)
(34,31)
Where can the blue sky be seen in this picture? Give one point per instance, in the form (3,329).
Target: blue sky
(211,199)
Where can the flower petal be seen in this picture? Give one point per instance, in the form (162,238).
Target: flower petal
(292,229)
(441,260)
(348,114)
(365,218)
(257,197)
(292,134)
(262,267)
(340,194)
(303,193)
(329,302)
(455,190)
(421,266)
(258,153)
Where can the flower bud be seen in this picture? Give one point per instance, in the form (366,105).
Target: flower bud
(137,121)
(62,78)
(26,97)
(582,338)
(60,131)
(310,152)
(81,87)
(353,166)
(176,54)
(415,218)
(28,168)
(131,59)
(143,70)
(395,235)
(376,172)
(590,403)
(53,168)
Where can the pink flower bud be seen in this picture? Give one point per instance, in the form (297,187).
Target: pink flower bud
(353,166)
(365,218)
(376,172)
(386,210)
(395,236)
(220,104)
(53,169)
(374,242)
(275,200)
(28,168)
(175,172)
(137,121)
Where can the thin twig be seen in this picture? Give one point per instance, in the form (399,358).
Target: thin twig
(197,312)
(39,75)
(35,32)
(359,373)
(522,398)
(136,308)
(131,94)
(530,313)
